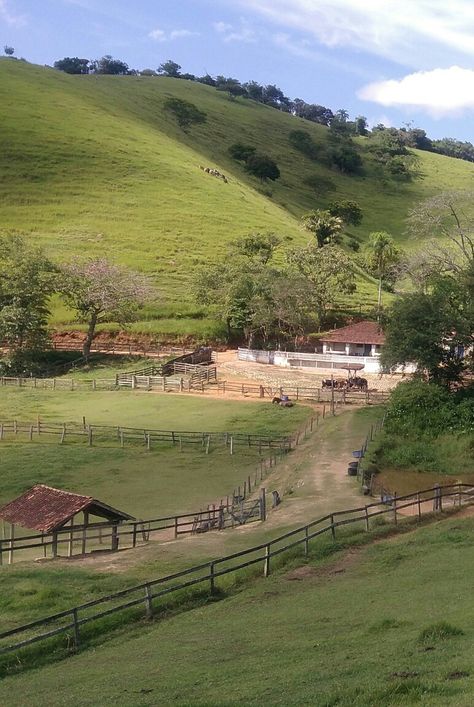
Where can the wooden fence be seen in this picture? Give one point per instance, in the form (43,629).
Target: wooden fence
(206,575)
(303,393)
(80,539)
(118,435)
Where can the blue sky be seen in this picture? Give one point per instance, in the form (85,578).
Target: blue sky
(394,61)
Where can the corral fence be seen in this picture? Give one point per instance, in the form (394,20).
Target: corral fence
(80,539)
(118,347)
(120,436)
(206,575)
(232,511)
(327,395)
(198,366)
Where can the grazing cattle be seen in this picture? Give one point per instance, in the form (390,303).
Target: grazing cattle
(214,172)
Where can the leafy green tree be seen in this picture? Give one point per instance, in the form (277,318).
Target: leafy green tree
(349,211)
(361,125)
(325,227)
(108,65)
(328,271)
(72,65)
(233,87)
(101,291)
(257,247)
(186,113)
(170,68)
(9,51)
(431,330)
(241,152)
(263,167)
(381,254)
(27,280)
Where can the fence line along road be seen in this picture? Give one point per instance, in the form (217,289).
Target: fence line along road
(70,621)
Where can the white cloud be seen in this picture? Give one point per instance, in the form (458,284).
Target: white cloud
(243,33)
(439,92)
(159,35)
(221,27)
(9,17)
(408,31)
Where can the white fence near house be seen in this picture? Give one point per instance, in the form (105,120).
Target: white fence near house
(296,359)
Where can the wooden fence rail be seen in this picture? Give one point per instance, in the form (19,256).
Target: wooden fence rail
(119,435)
(207,573)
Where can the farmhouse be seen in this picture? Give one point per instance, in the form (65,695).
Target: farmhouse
(359,344)
(49,510)
(362,339)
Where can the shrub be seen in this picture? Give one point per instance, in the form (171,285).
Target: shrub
(239,151)
(186,113)
(417,407)
(302,141)
(263,167)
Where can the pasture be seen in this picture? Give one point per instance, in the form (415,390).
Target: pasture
(388,623)
(146,483)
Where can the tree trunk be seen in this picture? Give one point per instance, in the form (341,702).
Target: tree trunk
(379,300)
(86,348)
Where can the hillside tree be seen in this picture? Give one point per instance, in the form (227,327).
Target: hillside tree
(325,227)
(108,65)
(27,281)
(346,209)
(185,113)
(101,291)
(328,271)
(262,166)
(381,254)
(9,51)
(169,68)
(72,65)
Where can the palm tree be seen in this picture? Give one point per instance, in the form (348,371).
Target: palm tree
(381,253)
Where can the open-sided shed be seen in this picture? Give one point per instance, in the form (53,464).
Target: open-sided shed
(49,510)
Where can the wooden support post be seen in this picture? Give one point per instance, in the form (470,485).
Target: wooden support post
(134,535)
(306,541)
(148,442)
(266,566)
(176,526)
(121,438)
(148,602)
(419,505)
(31,433)
(208,443)
(84,532)
(249,485)
(367,526)
(54,546)
(115,538)
(84,422)
(263,505)
(333,529)
(15,427)
(11,545)
(324,411)
(70,544)
(231,444)
(395,517)
(89,435)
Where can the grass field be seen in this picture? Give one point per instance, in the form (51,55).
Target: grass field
(387,624)
(144,483)
(95,163)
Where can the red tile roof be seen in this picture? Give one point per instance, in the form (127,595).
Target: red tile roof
(361,333)
(45,508)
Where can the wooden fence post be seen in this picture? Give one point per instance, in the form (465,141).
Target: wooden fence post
(395,517)
(367,527)
(89,436)
(266,566)
(212,578)
(419,505)
(115,538)
(306,541)
(12,543)
(263,505)
(232,444)
(176,526)
(333,529)
(76,629)
(148,602)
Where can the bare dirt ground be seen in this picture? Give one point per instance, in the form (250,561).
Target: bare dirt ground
(230,368)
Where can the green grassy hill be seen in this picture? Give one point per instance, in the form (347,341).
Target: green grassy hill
(94,164)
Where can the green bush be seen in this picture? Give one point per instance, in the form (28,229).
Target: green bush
(302,141)
(418,407)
